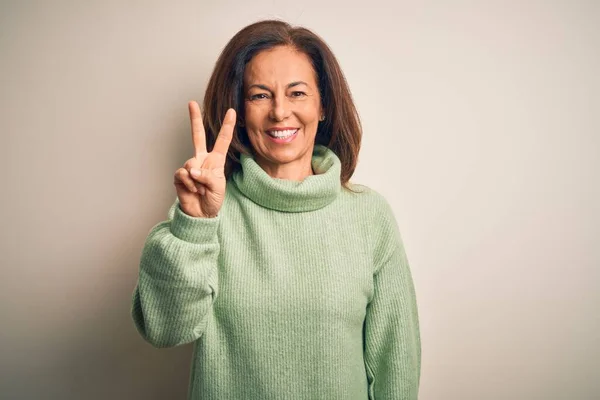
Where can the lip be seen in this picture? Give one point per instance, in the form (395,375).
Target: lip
(281,128)
(286,140)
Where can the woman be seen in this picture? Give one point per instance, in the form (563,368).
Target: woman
(292,282)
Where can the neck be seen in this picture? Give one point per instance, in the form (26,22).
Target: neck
(296,170)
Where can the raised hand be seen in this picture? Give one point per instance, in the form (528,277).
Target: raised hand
(200,183)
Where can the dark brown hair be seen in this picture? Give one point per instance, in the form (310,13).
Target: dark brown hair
(341,131)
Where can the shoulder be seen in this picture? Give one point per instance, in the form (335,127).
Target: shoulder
(383,230)
(371,202)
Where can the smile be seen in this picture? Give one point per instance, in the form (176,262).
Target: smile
(282,136)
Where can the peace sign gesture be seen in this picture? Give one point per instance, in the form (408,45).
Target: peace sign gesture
(200,183)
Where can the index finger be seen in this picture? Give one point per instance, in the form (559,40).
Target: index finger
(226,134)
(198,134)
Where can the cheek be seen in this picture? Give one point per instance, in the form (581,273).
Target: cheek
(254,116)
(309,113)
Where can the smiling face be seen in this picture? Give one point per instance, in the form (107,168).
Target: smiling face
(282,111)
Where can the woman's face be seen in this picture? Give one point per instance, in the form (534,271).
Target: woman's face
(282,109)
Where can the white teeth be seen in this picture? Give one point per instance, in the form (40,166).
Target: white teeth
(282,134)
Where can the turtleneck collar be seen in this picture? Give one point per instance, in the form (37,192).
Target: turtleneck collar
(314,192)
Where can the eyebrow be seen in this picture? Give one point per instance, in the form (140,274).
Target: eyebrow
(265,87)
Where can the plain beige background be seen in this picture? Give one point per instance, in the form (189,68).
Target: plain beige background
(481,128)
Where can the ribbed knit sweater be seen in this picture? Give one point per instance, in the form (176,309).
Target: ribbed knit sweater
(295,290)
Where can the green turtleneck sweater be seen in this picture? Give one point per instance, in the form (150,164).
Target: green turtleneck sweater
(296,290)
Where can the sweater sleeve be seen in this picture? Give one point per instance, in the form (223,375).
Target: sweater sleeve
(178,279)
(391,331)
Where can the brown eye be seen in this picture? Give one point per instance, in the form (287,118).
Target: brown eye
(298,94)
(259,96)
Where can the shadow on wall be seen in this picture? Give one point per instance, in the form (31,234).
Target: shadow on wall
(82,343)
(111,361)
(99,354)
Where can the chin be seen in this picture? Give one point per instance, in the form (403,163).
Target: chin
(284,155)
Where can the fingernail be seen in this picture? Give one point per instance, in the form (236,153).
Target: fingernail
(230,115)
(195,172)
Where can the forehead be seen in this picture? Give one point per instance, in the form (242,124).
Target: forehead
(280,65)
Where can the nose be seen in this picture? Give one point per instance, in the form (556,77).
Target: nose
(280,108)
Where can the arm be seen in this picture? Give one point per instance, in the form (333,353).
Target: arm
(391,329)
(178,280)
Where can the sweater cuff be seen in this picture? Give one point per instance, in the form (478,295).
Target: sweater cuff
(193,229)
